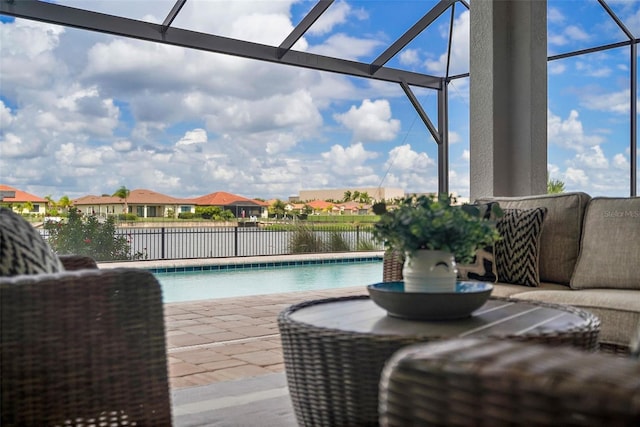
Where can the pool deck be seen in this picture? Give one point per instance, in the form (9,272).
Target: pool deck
(225,339)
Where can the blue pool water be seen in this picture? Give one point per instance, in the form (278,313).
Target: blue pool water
(191,286)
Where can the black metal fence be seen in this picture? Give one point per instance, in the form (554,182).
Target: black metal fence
(165,243)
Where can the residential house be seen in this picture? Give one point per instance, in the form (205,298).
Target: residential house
(143,203)
(241,207)
(294,208)
(323,207)
(354,208)
(21,201)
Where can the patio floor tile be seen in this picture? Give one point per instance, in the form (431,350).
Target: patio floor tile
(231,338)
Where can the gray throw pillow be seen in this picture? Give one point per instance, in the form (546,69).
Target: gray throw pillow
(23,249)
(610,249)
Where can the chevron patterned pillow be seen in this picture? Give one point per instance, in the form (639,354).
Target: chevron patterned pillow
(516,253)
(483,266)
(23,250)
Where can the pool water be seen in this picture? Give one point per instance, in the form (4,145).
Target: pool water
(191,286)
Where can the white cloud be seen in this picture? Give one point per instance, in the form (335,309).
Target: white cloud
(555,16)
(350,160)
(346,46)
(27,55)
(403,158)
(459,49)
(576,33)
(122,145)
(620,161)
(555,68)
(14,147)
(409,57)
(592,172)
(280,143)
(337,14)
(577,177)
(567,35)
(29,38)
(5,115)
(593,158)
(264,28)
(591,71)
(466,155)
(615,102)
(556,39)
(454,137)
(569,133)
(553,170)
(224,17)
(285,111)
(371,121)
(196,136)
(72,155)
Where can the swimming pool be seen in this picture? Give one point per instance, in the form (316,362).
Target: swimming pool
(200,285)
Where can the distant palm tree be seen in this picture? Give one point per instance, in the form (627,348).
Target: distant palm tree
(347,196)
(65,203)
(277,207)
(123,193)
(51,205)
(364,198)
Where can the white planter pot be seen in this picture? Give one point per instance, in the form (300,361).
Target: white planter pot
(429,271)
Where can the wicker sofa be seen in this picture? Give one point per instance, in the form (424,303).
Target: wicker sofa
(589,252)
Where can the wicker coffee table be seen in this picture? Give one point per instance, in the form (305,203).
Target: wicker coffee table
(335,349)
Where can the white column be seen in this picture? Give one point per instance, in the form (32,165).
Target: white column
(508,98)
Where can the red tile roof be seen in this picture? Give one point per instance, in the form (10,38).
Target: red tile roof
(143,197)
(136,197)
(221,198)
(320,204)
(21,196)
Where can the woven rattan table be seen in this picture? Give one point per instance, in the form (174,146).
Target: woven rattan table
(335,349)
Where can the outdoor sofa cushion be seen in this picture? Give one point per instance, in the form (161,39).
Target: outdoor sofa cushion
(617,309)
(610,256)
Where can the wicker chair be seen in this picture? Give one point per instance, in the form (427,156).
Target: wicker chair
(84,347)
(477,382)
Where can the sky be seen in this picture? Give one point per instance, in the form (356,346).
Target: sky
(85,113)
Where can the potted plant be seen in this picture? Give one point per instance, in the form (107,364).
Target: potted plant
(433,234)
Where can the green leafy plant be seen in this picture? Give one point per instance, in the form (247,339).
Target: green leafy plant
(304,240)
(88,236)
(337,243)
(427,222)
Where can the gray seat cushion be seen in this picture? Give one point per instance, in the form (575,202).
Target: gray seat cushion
(617,309)
(505,290)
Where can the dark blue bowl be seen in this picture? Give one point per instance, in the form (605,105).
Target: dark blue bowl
(468,297)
